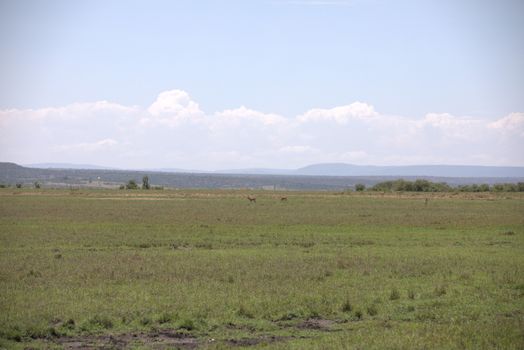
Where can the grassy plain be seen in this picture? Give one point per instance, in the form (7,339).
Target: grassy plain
(208,269)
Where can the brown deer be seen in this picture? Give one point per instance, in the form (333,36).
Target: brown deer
(252,199)
(283,199)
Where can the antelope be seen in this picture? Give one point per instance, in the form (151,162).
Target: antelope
(283,199)
(252,199)
(426,201)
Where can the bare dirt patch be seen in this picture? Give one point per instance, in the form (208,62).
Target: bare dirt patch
(256,340)
(316,324)
(162,339)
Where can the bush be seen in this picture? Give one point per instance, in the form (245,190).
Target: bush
(18,185)
(360,187)
(372,310)
(131,185)
(164,318)
(101,321)
(411,294)
(440,290)
(394,295)
(187,324)
(347,307)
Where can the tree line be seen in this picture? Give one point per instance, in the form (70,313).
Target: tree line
(420,185)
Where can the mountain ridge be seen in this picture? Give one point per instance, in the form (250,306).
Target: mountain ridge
(330,169)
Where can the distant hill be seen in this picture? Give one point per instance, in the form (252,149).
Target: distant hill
(332,169)
(11,174)
(65,166)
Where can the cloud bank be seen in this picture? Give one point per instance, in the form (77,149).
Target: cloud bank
(175,132)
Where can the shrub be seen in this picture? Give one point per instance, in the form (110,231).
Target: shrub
(187,324)
(131,185)
(360,187)
(359,315)
(372,310)
(36,184)
(347,307)
(69,324)
(411,294)
(164,318)
(19,185)
(144,321)
(244,312)
(101,321)
(440,290)
(394,295)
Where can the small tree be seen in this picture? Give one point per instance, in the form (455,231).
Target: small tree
(131,185)
(145,183)
(19,185)
(360,187)
(37,184)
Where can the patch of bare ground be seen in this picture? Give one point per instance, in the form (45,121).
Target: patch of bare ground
(162,339)
(256,340)
(320,324)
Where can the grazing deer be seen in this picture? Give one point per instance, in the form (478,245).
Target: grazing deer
(283,199)
(252,199)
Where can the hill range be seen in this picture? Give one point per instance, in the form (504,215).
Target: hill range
(314,177)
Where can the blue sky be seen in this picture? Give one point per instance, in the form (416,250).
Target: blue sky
(408,60)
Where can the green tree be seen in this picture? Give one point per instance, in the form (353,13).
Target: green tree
(145,183)
(131,185)
(360,187)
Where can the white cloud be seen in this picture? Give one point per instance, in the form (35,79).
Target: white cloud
(341,115)
(243,114)
(89,146)
(513,123)
(174,132)
(172,108)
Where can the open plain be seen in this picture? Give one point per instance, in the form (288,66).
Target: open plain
(82,269)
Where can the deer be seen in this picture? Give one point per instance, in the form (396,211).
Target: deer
(283,199)
(252,199)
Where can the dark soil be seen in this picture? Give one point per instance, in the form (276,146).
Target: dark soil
(256,340)
(163,339)
(315,323)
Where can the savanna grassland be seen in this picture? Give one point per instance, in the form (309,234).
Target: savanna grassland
(208,269)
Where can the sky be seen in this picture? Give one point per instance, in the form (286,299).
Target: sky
(264,83)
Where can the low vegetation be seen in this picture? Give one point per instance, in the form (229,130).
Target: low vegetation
(421,185)
(209,269)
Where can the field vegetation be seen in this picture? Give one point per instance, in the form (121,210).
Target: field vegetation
(210,269)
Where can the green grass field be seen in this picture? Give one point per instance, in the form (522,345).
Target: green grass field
(209,269)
